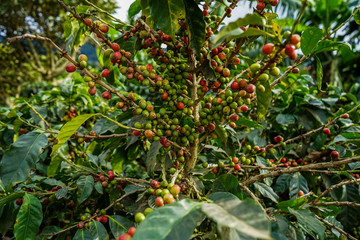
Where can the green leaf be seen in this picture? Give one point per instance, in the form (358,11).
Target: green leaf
(166,13)
(164,222)
(244,216)
(208,71)
(329,45)
(349,216)
(297,183)
(309,39)
(134,8)
(151,156)
(28,219)
(357,15)
(227,183)
(85,186)
(295,203)
(319,73)
(50,229)
(10,198)
(282,183)
(21,157)
(308,222)
(266,191)
(263,100)
(82,234)
(62,192)
(57,159)
(222,134)
(285,119)
(81,8)
(67,29)
(196,24)
(98,231)
(232,30)
(69,129)
(248,123)
(118,160)
(119,225)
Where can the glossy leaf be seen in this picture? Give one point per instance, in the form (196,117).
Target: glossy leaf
(21,157)
(297,183)
(285,119)
(83,234)
(196,24)
(164,222)
(166,13)
(10,198)
(119,225)
(328,45)
(151,156)
(266,191)
(56,160)
(309,39)
(69,129)
(243,216)
(227,183)
(294,203)
(357,15)
(85,186)
(134,8)
(98,231)
(263,100)
(233,30)
(248,123)
(29,218)
(308,222)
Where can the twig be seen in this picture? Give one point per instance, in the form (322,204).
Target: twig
(37,113)
(339,204)
(336,228)
(323,194)
(256,200)
(304,168)
(104,136)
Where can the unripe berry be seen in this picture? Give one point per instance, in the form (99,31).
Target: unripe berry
(149,133)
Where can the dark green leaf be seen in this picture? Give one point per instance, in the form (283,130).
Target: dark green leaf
(244,216)
(227,183)
(28,219)
(349,216)
(164,222)
(10,198)
(309,39)
(285,119)
(50,229)
(196,24)
(98,187)
(134,8)
(85,186)
(151,161)
(263,100)
(22,156)
(308,222)
(119,225)
(98,231)
(208,71)
(247,123)
(82,234)
(62,192)
(166,13)
(297,183)
(266,191)
(69,129)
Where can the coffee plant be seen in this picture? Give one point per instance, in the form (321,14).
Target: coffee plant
(191,129)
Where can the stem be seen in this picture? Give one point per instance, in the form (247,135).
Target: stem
(336,228)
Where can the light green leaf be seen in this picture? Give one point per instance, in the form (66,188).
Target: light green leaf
(263,100)
(164,222)
(10,198)
(309,39)
(29,218)
(247,123)
(357,15)
(134,8)
(69,129)
(85,186)
(319,72)
(22,156)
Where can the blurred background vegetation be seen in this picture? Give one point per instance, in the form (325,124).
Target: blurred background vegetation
(28,67)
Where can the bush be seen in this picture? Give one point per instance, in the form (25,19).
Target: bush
(193,129)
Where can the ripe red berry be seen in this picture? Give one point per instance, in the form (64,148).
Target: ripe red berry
(149,133)
(164,96)
(115,47)
(235,160)
(105,73)
(268,48)
(260,6)
(167,38)
(214,170)
(92,90)
(235,86)
(104,219)
(87,22)
(327,131)
(345,116)
(159,202)
(283,160)
(132,231)
(244,108)
(70,68)
(116,56)
(300,193)
(237,167)
(236,61)
(136,133)
(106,95)
(125,236)
(295,39)
(180,105)
(289,49)
(234,117)
(154,183)
(250,88)
(111,175)
(205,12)
(334,154)
(274,3)
(211,127)
(81,225)
(228,11)
(215,51)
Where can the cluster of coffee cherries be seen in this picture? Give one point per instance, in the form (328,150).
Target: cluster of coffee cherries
(261,4)
(165,193)
(128,236)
